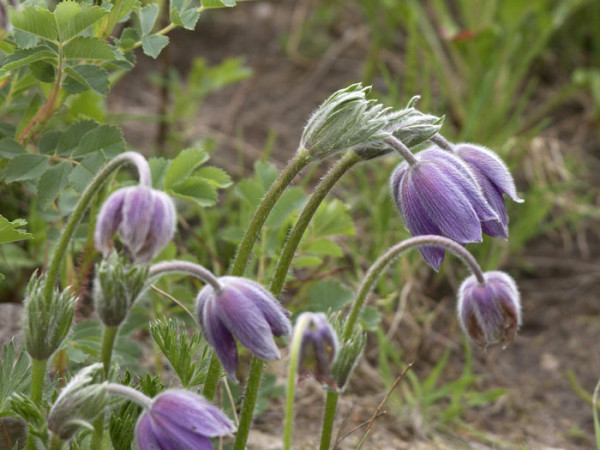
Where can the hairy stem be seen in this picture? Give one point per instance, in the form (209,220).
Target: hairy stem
(129,393)
(404,151)
(249,402)
(328,419)
(186,267)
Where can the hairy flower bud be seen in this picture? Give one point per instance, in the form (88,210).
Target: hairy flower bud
(489,313)
(439,195)
(495,179)
(181,420)
(349,352)
(318,348)
(117,286)
(46,322)
(241,309)
(79,403)
(144,217)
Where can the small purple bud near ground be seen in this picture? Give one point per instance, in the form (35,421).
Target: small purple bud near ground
(489,313)
(181,420)
(318,349)
(145,219)
(439,195)
(241,309)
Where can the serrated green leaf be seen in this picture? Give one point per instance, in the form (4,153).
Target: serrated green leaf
(215,176)
(329,294)
(43,71)
(24,39)
(183,165)
(290,201)
(190,18)
(148,16)
(90,76)
(72,18)
(153,44)
(332,218)
(88,48)
(52,182)
(48,142)
(207,4)
(10,148)
(370,317)
(25,167)
(37,21)
(13,372)
(106,137)
(9,232)
(24,57)
(158,168)
(307,261)
(34,106)
(323,247)
(70,139)
(196,189)
(81,176)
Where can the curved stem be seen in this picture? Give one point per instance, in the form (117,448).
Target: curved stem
(397,145)
(129,393)
(295,348)
(300,160)
(212,377)
(97,182)
(441,142)
(188,268)
(295,236)
(249,402)
(56,443)
(328,418)
(381,264)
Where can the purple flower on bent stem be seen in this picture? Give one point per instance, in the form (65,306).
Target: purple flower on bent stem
(437,194)
(489,313)
(244,310)
(318,349)
(495,179)
(181,420)
(144,217)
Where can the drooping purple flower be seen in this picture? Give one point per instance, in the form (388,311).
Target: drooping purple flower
(144,217)
(489,313)
(244,310)
(318,348)
(440,195)
(494,179)
(181,420)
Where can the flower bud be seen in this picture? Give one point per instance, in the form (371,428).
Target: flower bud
(318,348)
(46,322)
(117,286)
(79,403)
(345,121)
(489,313)
(348,354)
(181,420)
(241,309)
(144,217)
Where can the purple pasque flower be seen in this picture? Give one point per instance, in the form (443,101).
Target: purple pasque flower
(439,195)
(489,313)
(318,348)
(144,217)
(181,420)
(244,310)
(494,179)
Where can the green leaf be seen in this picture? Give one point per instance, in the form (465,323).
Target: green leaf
(25,167)
(73,17)
(207,4)
(370,318)
(34,106)
(307,261)
(88,48)
(37,21)
(70,139)
(14,371)
(323,247)
(329,294)
(81,176)
(183,165)
(48,142)
(186,19)
(106,137)
(52,182)
(153,44)
(23,57)
(9,232)
(215,176)
(158,168)
(332,218)
(90,76)
(195,189)
(10,148)
(43,71)
(148,16)
(290,201)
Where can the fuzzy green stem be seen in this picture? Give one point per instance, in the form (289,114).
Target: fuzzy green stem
(212,377)
(129,393)
(295,348)
(394,252)
(328,419)
(300,160)
(82,205)
(38,372)
(249,403)
(186,267)
(295,236)
(56,443)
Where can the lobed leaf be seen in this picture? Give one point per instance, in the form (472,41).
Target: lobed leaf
(37,21)
(9,232)
(153,44)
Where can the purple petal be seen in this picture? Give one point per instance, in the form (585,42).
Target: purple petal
(246,322)
(162,227)
(171,436)
(496,228)
(219,337)
(137,213)
(144,432)
(109,220)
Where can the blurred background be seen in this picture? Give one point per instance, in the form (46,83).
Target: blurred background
(521,77)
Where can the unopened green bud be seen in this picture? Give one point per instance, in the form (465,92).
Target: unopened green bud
(79,403)
(118,284)
(348,354)
(345,121)
(46,321)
